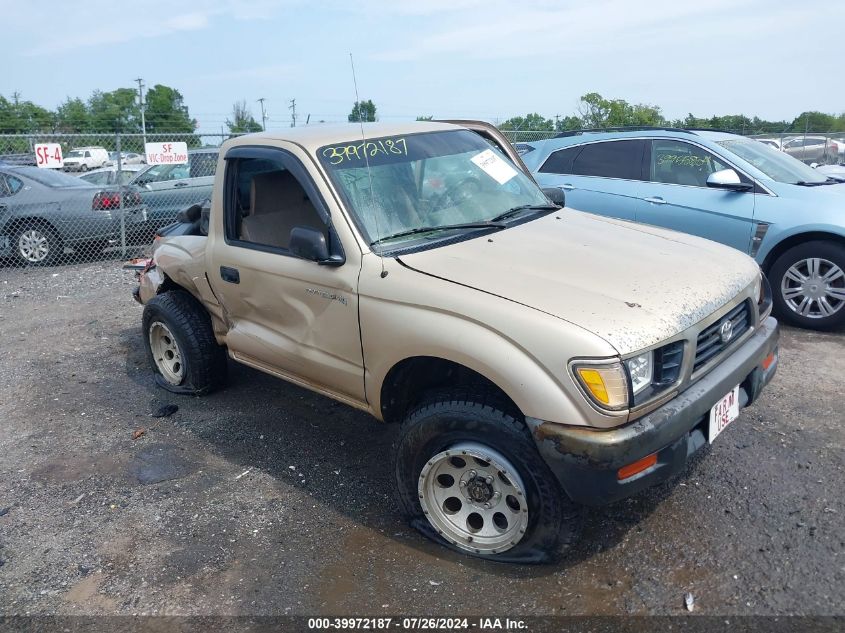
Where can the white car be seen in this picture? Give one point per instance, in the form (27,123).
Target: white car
(772,142)
(85,158)
(108,175)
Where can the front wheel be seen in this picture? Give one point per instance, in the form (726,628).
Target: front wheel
(180,344)
(809,285)
(469,476)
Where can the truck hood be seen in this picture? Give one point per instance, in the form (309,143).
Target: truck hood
(631,284)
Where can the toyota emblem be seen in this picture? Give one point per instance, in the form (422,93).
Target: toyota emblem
(726,331)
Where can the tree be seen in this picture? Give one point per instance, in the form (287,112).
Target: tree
(567,123)
(242,120)
(529,123)
(72,116)
(363,111)
(815,122)
(117,111)
(166,111)
(598,112)
(425,118)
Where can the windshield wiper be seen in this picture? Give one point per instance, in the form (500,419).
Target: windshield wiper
(514,211)
(829,181)
(492,224)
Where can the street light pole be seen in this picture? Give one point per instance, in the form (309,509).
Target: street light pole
(141,105)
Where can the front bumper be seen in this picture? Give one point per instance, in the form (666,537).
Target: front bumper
(586,461)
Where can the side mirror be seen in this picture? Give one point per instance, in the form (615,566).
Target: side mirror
(309,243)
(556,195)
(727,179)
(814,165)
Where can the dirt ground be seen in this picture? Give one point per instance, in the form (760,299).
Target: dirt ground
(267,499)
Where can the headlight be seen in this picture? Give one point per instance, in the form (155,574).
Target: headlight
(641,371)
(606,384)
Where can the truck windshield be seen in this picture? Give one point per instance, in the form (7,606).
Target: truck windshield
(419,182)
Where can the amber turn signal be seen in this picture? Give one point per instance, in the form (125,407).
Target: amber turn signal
(767,362)
(637,467)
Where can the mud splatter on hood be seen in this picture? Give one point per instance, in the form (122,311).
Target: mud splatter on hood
(633,285)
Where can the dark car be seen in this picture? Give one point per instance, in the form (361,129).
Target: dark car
(43,211)
(167,189)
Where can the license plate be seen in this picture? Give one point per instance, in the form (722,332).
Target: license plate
(723,413)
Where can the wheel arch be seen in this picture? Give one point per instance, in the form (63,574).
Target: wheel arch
(14,222)
(410,379)
(794,240)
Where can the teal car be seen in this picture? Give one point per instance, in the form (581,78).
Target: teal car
(727,188)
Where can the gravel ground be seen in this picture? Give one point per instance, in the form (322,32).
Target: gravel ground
(267,499)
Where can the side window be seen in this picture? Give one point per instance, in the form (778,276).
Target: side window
(611,159)
(560,162)
(680,163)
(204,164)
(9,185)
(87,154)
(265,201)
(100,178)
(126,176)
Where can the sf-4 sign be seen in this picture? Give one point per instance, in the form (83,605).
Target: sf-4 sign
(49,155)
(166,153)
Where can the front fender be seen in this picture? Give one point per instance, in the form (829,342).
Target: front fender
(523,351)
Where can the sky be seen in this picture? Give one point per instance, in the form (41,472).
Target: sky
(485,59)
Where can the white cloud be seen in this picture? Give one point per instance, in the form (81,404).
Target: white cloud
(68,27)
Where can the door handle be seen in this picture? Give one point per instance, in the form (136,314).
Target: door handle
(230,274)
(655,200)
(567,187)
(181,184)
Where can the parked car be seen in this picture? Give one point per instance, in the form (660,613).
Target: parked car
(812,149)
(131,158)
(724,187)
(44,211)
(167,189)
(772,142)
(85,158)
(536,358)
(109,175)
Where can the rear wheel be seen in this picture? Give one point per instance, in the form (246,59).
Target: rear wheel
(180,344)
(809,285)
(36,244)
(469,476)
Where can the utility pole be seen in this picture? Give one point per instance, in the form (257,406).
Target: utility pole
(292,108)
(263,115)
(141,105)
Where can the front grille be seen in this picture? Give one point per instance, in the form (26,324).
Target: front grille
(667,363)
(710,341)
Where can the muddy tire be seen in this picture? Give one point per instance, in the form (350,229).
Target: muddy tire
(180,345)
(469,477)
(808,285)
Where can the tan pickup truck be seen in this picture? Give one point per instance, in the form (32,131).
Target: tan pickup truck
(537,358)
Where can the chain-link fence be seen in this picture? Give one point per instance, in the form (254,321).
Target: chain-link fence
(75,197)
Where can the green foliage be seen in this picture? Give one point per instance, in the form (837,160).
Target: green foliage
(425,118)
(595,111)
(166,111)
(598,112)
(242,120)
(529,123)
(363,111)
(115,111)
